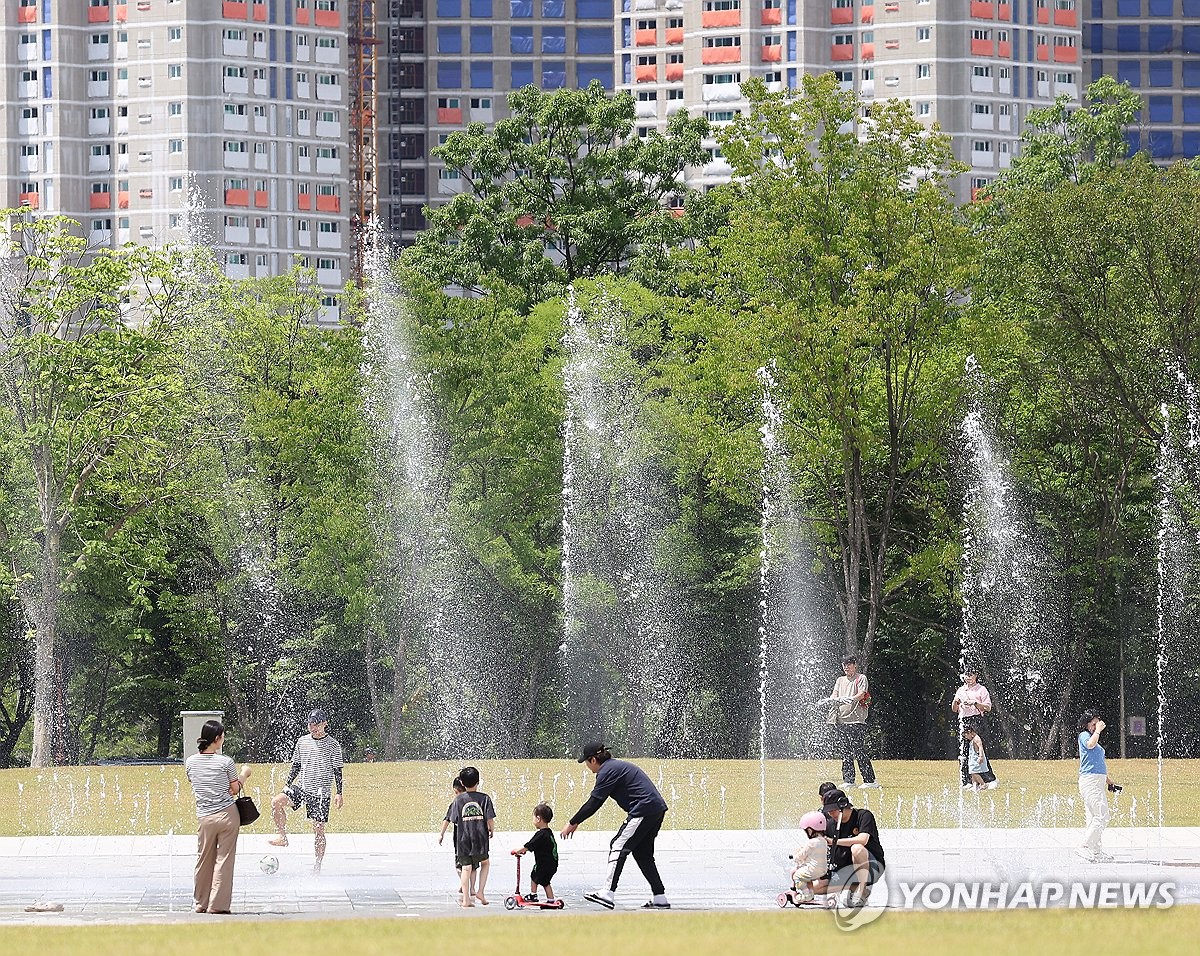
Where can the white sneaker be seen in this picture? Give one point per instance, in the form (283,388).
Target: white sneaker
(604,898)
(968,786)
(805,895)
(1085,854)
(845,899)
(870,786)
(993,785)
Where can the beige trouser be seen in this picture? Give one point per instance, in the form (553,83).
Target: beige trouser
(1093,788)
(216,849)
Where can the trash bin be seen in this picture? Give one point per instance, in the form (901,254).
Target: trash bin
(193,723)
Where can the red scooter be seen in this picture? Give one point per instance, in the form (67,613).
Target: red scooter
(517,901)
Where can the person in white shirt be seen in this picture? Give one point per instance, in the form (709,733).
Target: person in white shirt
(971,701)
(848,716)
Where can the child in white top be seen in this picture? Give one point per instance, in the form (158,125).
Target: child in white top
(977,761)
(812,858)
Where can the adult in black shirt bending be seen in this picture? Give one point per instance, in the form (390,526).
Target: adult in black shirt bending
(856,854)
(634,793)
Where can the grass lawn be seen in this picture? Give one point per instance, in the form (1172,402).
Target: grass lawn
(703,794)
(1024,933)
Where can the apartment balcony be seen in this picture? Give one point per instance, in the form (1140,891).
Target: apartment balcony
(234,10)
(982,121)
(31,164)
(982,160)
(645,109)
(28,89)
(329,277)
(237,271)
(327,55)
(1066,54)
(1004,12)
(99,164)
(721,18)
(235,84)
(1066,18)
(982,11)
(238,48)
(237,235)
(262,199)
(772,17)
(674,72)
(99,51)
(236,123)
(304,201)
(721,54)
(674,36)
(329,203)
(329,240)
(237,197)
(983,84)
(325,18)
(29,200)
(721,92)
(326,165)
(29,126)
(329,92)
(99,200)
(27,52)
(645,37)
(841,15)
(237,160)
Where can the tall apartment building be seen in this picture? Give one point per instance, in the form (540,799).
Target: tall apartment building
(974,68)
(453,62)
(149,118)
(1154,46)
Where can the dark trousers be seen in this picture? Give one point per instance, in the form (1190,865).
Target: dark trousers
(636,838)
(854,747)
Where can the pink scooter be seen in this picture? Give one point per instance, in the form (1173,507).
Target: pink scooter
(517,901)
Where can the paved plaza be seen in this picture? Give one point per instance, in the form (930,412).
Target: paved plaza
(148,879)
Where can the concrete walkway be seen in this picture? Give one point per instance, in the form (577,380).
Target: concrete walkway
(148,879)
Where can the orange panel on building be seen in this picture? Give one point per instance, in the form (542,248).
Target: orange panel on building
(261,199)
(674,36)
(29,200)
(329,203)
(237,197)
(304,201)
(26,14)
(982,11)
(327,18)
(842,52)
(1066,54)
(100,201)
(772,17)
(1042,53)
(983,48)
(645,38)
(721,54)
(1043,16)
(840,15)
(232,10)
(772,54)
(260,12)
(449,114)
(122,12)
(302,17)
(123,200)
(646,74)
(721,18)
(1004,11)
(674,71)
(867,15)
(98,15)
(867,51)
(1005,49)
(1066,18)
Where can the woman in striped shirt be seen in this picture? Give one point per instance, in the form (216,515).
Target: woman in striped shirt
(215,782)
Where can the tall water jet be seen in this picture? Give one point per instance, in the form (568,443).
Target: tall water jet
(1011,629)
(796,654)
(433,620)
(621,654)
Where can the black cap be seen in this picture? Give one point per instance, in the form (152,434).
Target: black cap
(318,717)
(836,800)
(591,750)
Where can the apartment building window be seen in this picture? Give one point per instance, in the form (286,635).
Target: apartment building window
(235,146)
(650,60)
(323,116)
(175,184)
(721,116)
(175,34)
(328,228)
(236,184)
(235,72)
(99,39)
(922,71)
(924,33)
(983,109)
(235,109)
(674,58)
(1004,109)
(481,102)
(1002,36)
(773,41)
(981,71)
(237,222)
(1060,40)
(1005,72)
(981,34)
(843,4)
(1064,4)
(260,73)
(327,152)
(303,152)
(722,41)
(647,96)
(981,146)
(326,263)
(327,79)
(98,112)
(235,258)
(95,76)
(175,71)
(675,94)
(100,189)
(325,4)
(923,108)
(175,109)
(175,146)
(326,189)
(844,76)
(97,3)
(722,4)
(675,23)
(260,112)
(722,79)
(647,25)
(1062,78)
(233,34)
(29,149)
(101,150)
(261,260)
(260,149)
(328,43)
(843,39)
(101,225)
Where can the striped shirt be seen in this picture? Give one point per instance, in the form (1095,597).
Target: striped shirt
(210,776)
(317,760)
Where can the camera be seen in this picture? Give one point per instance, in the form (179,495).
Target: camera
(1115,788)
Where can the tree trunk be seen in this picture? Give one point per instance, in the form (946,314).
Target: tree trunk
(41,608)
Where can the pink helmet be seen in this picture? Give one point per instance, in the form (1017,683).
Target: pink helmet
(813,820)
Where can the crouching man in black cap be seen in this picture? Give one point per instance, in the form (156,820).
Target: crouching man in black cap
(855,855)
(634,793)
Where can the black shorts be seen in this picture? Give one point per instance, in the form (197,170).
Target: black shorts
(542,876)
(316,805)
(840,875)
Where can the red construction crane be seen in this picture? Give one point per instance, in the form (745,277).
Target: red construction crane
(364,152)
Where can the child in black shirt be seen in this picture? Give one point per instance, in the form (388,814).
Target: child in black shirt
(545,853)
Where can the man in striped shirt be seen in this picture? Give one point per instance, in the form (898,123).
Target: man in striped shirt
(317,762)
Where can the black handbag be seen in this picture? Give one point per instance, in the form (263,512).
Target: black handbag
(247,811)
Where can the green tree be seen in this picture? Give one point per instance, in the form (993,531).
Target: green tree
(96,388)
(558,190)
